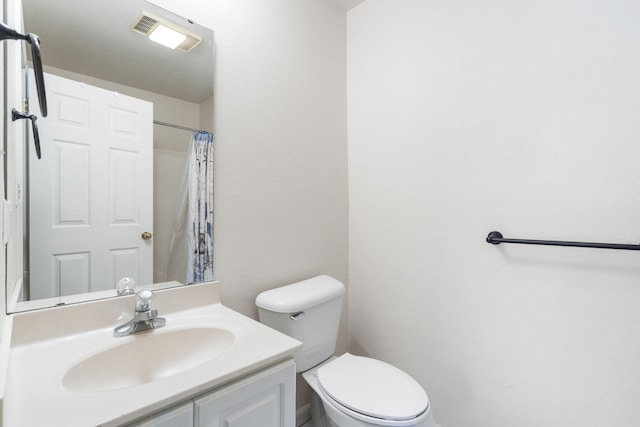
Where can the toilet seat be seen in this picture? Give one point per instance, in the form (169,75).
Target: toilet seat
(371,388)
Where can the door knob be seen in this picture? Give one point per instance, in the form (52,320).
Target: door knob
(146,235)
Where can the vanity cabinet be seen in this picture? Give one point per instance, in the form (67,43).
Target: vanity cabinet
(178,416)
(265,399)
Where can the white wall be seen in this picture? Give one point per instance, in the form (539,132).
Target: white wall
(3,267)
(467,117)
(14,132)
(280,179)
(280,131)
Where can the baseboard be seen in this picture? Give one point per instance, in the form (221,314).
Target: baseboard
(303,415)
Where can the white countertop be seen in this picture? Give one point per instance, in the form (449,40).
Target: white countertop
(47,343)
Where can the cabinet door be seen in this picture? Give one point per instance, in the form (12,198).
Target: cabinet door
(178,416)
(266,399)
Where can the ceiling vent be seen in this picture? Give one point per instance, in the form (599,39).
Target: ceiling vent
(147,24)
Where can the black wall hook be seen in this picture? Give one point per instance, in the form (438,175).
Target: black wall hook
(17,115)
(7,33)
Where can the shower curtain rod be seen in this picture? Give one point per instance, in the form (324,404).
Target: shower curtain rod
(171,125)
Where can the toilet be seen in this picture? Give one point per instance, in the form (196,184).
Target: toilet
(348,390)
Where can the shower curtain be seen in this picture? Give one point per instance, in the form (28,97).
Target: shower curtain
(200,210)
(191,245)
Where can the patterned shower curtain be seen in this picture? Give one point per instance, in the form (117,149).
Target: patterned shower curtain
(200,217)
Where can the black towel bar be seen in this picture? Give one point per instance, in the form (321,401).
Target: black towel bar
(495,237)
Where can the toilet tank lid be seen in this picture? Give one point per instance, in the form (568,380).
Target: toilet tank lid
(301,295)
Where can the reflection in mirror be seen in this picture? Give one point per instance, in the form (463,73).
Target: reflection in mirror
(109,198)
(7,33)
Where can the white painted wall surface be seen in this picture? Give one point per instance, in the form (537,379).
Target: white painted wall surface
(280,131)
(280,175)
(3,267)
(467,117)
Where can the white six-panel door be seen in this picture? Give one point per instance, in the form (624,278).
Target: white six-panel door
(91,193)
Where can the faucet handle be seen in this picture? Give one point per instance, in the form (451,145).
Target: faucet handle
(143,300)
(125,286)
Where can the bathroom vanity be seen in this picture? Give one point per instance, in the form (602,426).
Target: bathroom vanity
(255,400)
(209,366)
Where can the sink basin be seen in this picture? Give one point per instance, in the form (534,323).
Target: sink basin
(147,357)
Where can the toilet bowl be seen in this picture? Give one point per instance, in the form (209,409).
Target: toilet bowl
(347,391)
(358,391)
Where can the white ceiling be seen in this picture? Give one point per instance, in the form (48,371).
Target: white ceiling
(94,38)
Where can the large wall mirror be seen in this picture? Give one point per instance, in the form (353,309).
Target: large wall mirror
(107,200)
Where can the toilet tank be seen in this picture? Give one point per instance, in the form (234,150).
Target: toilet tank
(308,311)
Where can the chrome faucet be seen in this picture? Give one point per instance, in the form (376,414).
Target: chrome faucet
(144,317)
